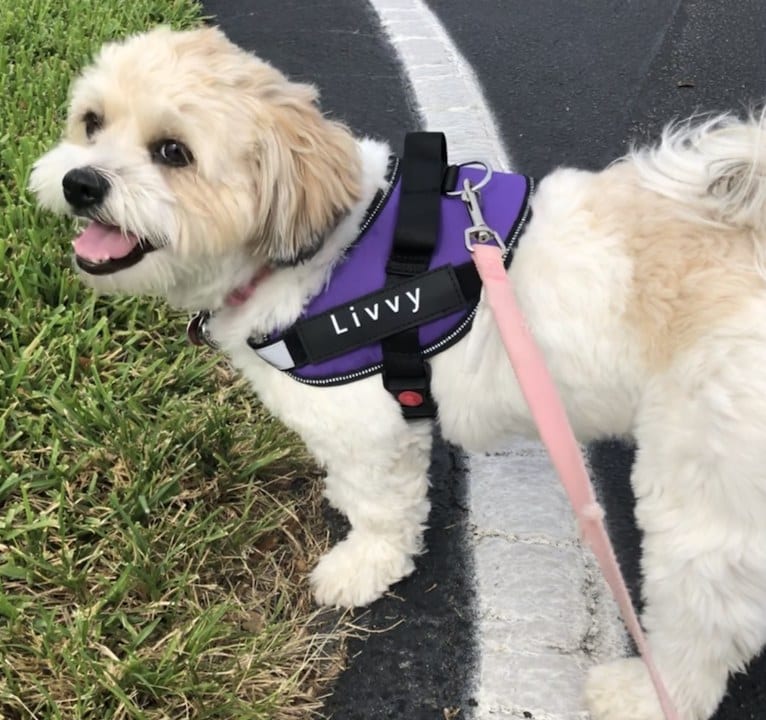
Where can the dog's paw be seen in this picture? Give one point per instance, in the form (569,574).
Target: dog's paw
(622,690)
(358,570)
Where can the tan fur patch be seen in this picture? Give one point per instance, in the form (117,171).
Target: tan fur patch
(689,276)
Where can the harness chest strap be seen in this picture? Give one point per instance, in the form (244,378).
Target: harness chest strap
(406,373)
(339,336)
(406,304)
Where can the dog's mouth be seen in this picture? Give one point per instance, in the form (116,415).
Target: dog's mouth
(103,249)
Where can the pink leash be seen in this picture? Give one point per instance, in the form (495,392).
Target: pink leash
(555,431)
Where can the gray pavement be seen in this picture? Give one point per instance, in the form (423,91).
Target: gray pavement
(425,661)
(544,615)
(506,611)
(575,83)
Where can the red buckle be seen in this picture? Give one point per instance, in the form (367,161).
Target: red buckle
(410,398)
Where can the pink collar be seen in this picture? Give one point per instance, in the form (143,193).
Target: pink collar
(196,330)
(241,294)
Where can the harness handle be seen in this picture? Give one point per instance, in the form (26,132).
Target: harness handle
(406,373)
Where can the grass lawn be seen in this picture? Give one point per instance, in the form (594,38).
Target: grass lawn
(155,524)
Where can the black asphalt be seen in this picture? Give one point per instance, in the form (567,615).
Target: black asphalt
(570,83)
(574,83)
(338,45)
(423,663)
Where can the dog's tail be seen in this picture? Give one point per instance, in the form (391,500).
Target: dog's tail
(715,166)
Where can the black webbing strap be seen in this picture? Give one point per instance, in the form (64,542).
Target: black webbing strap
(406,374)
(441,292)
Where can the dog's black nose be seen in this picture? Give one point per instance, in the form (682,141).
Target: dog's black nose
(84,187)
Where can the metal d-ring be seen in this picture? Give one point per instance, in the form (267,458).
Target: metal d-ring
(487,177)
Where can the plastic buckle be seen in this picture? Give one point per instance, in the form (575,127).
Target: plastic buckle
(413,395)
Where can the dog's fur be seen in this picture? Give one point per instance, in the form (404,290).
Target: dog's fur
(643,285)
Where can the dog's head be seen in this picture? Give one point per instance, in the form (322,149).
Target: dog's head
(194,163)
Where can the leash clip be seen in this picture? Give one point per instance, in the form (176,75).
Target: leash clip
(479,231)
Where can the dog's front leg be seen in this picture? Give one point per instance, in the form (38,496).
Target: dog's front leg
(377,475)
(383,492)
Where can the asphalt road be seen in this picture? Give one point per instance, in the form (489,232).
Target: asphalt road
(570,83)
(574,83)
(423,662)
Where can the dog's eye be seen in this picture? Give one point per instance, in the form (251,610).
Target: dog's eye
(92,122)
(171,152)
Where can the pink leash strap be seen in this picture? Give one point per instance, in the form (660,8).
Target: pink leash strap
(557,435)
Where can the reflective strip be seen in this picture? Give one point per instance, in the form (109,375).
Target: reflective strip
(277,355)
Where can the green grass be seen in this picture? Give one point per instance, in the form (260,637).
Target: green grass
(155,524)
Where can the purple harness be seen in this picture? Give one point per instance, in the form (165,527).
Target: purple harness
(338,337)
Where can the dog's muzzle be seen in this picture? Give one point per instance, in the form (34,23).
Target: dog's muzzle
(101,249)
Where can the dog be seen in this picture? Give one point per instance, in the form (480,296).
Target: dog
(207,175)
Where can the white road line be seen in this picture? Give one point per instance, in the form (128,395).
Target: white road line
(444,84)
(545,614)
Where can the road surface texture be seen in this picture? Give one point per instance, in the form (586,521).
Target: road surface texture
(505,611)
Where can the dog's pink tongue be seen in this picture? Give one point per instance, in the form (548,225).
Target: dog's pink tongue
(104,242)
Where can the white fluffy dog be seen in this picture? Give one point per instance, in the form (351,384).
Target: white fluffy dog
(201,166)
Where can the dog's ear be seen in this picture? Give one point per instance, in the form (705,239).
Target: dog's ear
(307,173)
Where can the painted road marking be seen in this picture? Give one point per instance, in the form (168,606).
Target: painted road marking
(545,614)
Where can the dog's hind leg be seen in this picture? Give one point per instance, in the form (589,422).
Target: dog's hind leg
(700,484)
(383,492)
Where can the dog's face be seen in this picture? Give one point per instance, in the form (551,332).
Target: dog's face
(192,162)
